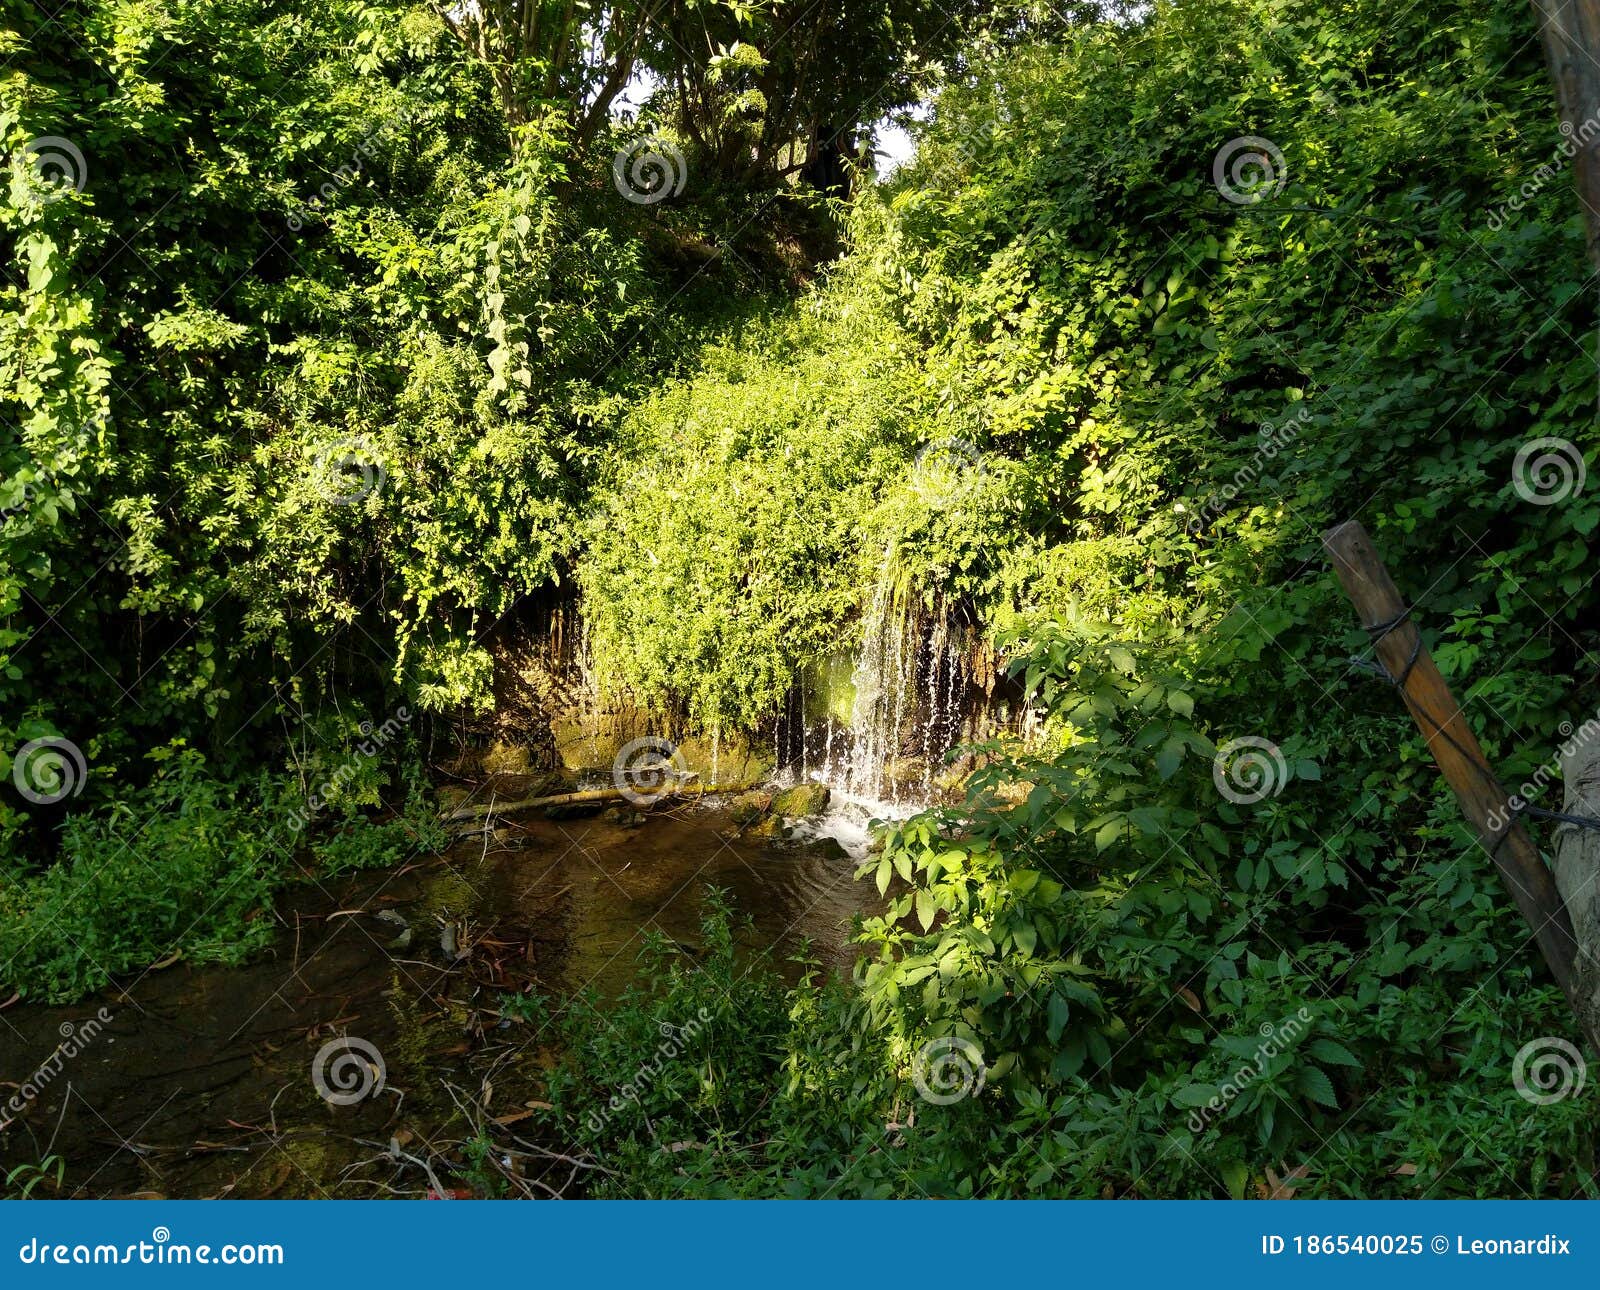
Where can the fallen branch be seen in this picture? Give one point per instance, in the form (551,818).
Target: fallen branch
(587,795)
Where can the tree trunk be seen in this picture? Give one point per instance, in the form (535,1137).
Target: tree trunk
(586,795)
(1570,30)
(1577,869)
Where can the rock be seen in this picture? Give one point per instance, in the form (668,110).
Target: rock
(503,758)
(769,826)
(831,849)
(624,816)
(402,941)
(747,808)
(802,800)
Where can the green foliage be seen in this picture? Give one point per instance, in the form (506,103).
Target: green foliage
(1179,392)
(726,544)
(25,1179)
(678,1073)
(322,371)
(186,865)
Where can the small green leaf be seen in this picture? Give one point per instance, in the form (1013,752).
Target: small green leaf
(1195,1094)
(1315,1084)
(1056,1020)
(1326,1050)
(1236,1175)
(1169,758)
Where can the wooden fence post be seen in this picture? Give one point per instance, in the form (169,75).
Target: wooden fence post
(1460,758)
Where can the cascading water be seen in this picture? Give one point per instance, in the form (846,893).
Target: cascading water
(878,731)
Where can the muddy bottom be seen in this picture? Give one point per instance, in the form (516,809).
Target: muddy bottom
(205,1082)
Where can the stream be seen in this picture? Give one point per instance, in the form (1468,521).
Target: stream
(198,1081)
(230,1081)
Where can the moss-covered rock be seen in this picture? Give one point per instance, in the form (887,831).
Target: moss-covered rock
(768,826)
(502,758)
(802,800)
(747,808)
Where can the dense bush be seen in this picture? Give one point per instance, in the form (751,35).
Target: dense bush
(316,383)
(1186,389)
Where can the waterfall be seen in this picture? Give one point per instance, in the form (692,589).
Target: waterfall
(912,688)
(880,681)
